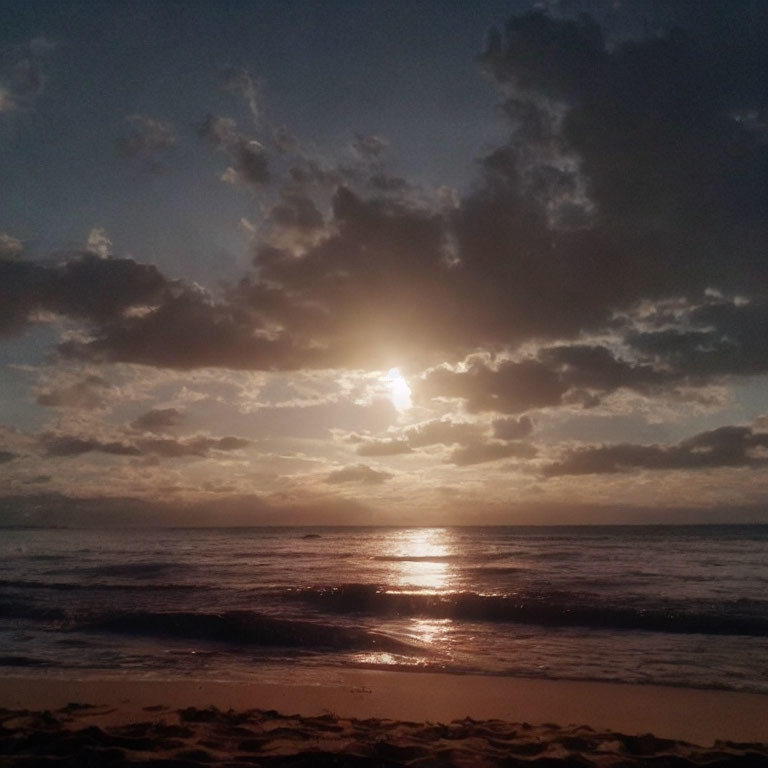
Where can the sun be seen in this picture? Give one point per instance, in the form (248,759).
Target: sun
(399,391)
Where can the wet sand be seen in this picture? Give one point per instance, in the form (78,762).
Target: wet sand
(377,718)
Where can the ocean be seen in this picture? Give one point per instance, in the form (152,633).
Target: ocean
(677,606)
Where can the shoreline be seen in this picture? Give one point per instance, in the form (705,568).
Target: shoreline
(698,716)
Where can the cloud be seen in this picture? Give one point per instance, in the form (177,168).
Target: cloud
(296,211)
(590,213)
(388,447)
(88,393)
(85,286)
(187,330)
(509,387)
(248,155)
(99,243)
(679,203)
(434,432)
(512,429)
(713,338)
(148,141)
(6,456)
(22,80)
(730,446)
(159,420)
(481,452)
(241,82)
(67,445)
(369,146)
(196,447)
(442,432)
(359,473)
(10,247)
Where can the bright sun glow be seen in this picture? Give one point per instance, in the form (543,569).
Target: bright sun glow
(399,391)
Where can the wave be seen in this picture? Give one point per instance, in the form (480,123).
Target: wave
(554,609)
(22,661)
(417,558)
(495,570)
(126,570)
(69,586)
(452,558)
(15,610)
(244,628)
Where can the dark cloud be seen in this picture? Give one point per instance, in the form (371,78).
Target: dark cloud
(369,146)
(723,447)
(510,387)
(240,82)
(719,337)
(581,375)
(512,429)
(200,447)
(634,173)
(159,420)
(249,159)
(296,211)
(592,367)
(358,473)
(84,286)
(442,432)
(148,140)
(22,78)
(372,290)
(481,452)
(90,392)
(672,169)
(10,247)
(65,445)
(191,330)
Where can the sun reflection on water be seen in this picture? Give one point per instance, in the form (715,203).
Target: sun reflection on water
(420,561)
(421,558)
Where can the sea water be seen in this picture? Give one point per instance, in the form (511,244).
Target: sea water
(680,606)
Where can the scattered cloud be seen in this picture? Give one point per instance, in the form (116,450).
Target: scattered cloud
(723,447)
(159,420)
(512,429)
(90,392)
(358,473)
(10,247)
(249,158)
(369,146)
(196,447)
(148,141)
(99,243)
(240,82)
(22,79)
(386,447)
(86,287)
(481,452)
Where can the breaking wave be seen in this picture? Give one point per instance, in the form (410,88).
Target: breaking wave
(552,609)
(244,628)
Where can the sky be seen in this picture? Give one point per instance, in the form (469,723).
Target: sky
(382,262)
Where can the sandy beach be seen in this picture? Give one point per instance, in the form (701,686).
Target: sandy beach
(377,718)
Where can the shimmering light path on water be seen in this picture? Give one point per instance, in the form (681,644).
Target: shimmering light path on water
(676,606)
